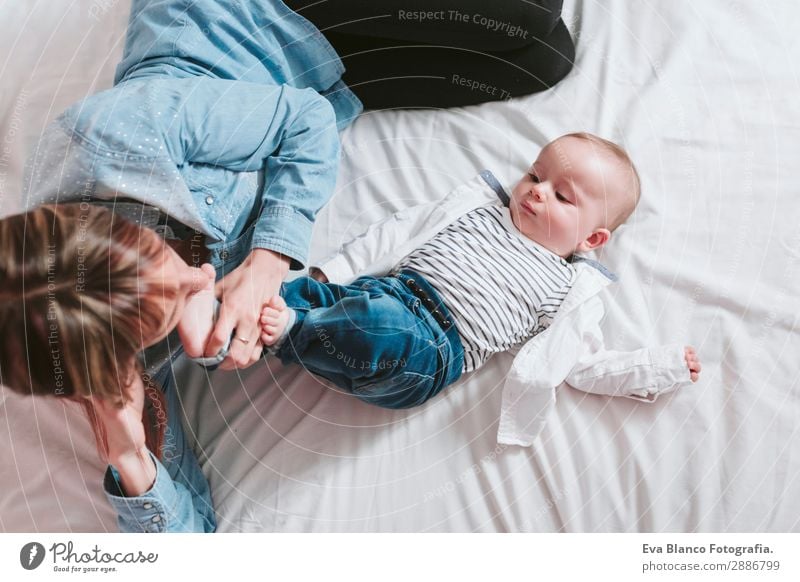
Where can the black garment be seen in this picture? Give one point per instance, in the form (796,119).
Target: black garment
(444,53)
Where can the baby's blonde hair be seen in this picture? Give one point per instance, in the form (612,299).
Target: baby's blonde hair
(630,198)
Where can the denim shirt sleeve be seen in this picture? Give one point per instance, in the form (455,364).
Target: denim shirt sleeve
(180,498)
(168,506)
(289,133)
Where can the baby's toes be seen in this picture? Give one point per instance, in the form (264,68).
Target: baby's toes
(277,303)
(270,334)
(269,316)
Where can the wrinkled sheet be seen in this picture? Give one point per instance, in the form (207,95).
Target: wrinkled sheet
(705,98)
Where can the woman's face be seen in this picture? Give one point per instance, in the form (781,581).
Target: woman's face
(173,282)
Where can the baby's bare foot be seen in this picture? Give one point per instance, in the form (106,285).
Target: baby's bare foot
(197,321)
(274,319)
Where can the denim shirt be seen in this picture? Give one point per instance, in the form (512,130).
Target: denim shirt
(230,129)
(224,114)
(179,500)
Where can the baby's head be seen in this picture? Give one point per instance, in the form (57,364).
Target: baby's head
(576,193)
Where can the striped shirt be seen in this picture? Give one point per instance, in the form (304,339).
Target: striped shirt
(500,287)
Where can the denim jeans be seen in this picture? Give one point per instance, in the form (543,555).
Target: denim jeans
(373,338)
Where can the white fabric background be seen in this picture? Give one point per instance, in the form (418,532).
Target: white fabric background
(705,98)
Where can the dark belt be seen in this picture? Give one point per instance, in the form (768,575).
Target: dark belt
(145,215)
(435,310)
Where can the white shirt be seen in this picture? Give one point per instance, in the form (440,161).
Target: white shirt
(570,350)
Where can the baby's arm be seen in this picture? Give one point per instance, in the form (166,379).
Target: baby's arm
(197,321)
(641,374)
(384,243)
(692,362)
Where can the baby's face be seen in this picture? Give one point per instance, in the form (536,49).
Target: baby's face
(565,200)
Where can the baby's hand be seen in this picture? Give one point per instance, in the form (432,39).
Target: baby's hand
(692,362)
(197,320)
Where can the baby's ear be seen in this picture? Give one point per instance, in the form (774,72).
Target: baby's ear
(595,240)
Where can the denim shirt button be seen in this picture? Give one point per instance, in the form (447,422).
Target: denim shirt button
(224,255)
(147,505)
(156,518)
(209,200)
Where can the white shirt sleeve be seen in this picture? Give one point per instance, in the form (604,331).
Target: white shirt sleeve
(386,243)
(641,374)
(380,240)
(572,351)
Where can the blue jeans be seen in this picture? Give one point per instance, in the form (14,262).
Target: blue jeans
(373,338)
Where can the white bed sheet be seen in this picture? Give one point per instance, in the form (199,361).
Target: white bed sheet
(704,97)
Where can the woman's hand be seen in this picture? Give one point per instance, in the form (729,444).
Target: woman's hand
(243,293)
(123,425)
(126,439)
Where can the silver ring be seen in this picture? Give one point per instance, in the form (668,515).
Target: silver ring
(243,340)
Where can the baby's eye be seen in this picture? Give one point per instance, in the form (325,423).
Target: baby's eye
(534,177)
(561,198)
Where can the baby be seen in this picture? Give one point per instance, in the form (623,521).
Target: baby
(483,273)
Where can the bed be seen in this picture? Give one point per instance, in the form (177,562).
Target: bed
(705,98)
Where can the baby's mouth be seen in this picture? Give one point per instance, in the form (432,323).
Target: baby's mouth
(528,207)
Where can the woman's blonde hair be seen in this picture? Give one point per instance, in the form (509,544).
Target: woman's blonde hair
(76,306)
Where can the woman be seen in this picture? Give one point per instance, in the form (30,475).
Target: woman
(220,134)
(83,307)
(222,127)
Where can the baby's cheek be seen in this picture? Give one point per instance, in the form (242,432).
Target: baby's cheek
(515,192)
